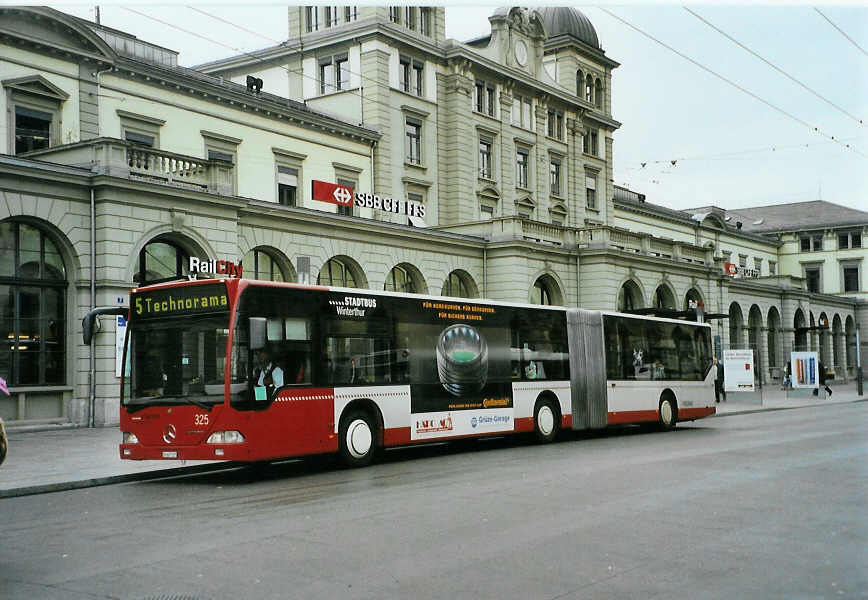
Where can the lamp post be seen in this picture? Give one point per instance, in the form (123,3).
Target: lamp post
(858,365)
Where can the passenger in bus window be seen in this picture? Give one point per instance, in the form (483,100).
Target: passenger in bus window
(659,372)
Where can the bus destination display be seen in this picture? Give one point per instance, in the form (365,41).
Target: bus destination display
(179,301)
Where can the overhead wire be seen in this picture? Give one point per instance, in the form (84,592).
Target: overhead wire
(735,155)
(772,65)
(841,31)
(259,59)
(732,83)
(284,45)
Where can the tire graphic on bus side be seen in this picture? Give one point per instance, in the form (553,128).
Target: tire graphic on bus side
(462,360)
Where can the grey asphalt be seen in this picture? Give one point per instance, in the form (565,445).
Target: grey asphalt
(49,459)
(767,506)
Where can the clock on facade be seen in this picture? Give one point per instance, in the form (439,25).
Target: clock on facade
(521,52)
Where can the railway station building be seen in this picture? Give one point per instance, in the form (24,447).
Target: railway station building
(480,169)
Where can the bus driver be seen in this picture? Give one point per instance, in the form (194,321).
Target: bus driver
(268,374)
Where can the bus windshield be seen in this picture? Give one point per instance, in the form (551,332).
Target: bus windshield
(179,360)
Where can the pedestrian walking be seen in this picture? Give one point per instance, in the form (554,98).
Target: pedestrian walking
(821,377)
(718,381)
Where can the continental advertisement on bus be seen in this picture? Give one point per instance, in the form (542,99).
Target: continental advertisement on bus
(462,382)
(454,356)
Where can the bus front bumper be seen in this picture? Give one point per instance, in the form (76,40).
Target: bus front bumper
(198,452)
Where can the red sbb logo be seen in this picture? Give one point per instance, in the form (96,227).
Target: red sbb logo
(323,191)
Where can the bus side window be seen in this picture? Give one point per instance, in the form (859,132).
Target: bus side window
(614,362)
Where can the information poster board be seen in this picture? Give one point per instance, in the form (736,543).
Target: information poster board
(120,333)
(805,370)
(738,371)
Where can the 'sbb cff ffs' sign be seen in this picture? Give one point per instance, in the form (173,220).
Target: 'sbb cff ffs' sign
(344,195)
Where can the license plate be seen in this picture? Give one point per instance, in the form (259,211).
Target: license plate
(170,454)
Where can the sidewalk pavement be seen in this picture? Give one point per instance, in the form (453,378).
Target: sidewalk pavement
(58,458)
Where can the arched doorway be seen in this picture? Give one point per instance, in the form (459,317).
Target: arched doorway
(630,297)
(664,297)
(692,299)
(838,346)
(850,345)
(545,291)
(774,326)
(823,338)
(736,326)
(754,332)
(800,339)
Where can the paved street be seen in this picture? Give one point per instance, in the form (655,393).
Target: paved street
(764,505)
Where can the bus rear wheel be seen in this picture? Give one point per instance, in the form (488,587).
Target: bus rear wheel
(668,412)
(357,439)
(545,421)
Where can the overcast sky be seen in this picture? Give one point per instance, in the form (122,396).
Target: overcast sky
(731,149)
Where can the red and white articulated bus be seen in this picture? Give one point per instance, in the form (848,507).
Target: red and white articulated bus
(246,370)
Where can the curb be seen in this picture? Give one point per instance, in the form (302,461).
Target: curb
(228,465)
(113,479)
(777,408)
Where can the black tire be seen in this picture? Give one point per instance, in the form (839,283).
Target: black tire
(546,420)
(668,412)
(358,439)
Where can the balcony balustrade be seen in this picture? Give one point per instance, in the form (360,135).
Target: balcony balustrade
(598,237)
(120,158)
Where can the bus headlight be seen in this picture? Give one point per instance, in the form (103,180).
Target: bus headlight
(130,438)
(225,437)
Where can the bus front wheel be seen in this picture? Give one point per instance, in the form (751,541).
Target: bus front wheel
(357,439)
(668,412)
(545,420)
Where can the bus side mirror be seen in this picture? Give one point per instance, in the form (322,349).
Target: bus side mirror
(90,322)
(257,333)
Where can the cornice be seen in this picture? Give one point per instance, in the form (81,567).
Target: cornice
(648,210)
(267,105)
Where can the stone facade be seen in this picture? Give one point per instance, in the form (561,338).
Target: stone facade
(178,192)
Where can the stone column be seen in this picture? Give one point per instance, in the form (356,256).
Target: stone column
(457,147)
(541,179)
(378,114)
(506,154)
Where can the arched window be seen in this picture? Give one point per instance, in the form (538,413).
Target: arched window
(161,260)
(259,264)
(32,307)
(541,293)
(598,93)
(580,83)
(399,279)
(455,287)
(336,273)
(589,88)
